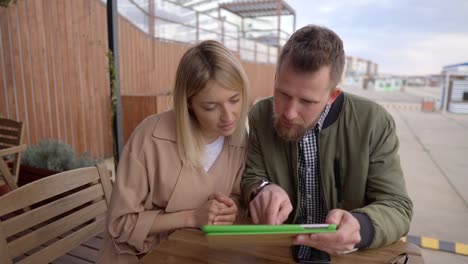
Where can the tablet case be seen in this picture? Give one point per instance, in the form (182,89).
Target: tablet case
(260,235)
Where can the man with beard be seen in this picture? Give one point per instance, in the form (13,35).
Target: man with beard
(320,155)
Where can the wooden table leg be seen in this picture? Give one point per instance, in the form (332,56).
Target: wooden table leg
(7,175)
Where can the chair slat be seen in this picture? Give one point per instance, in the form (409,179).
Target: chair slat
(45,188)
(12,150)
(105,181)
(10,141)
(14,133)
(5,122)
(4,253)
(62,246)
(38,215)
(42,235)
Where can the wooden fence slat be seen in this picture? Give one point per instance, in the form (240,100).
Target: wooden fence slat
(7,64)
(30,121)
(16,63)
(3,97)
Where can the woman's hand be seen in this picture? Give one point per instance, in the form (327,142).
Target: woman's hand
(218,210)
(228,217)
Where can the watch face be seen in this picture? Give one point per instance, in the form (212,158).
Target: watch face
(263,183)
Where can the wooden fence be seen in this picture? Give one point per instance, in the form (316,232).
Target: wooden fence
(54,74)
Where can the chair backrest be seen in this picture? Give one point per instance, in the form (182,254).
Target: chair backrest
(11,139)
(67,209)
(11,133)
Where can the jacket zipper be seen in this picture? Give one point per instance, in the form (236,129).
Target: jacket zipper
(296,175)
(336,168)
(327,205)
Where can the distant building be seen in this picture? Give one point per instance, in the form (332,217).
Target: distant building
(385,83)
(455,89)
(417,80)
(358,71)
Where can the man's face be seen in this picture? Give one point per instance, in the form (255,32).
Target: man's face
(299,98)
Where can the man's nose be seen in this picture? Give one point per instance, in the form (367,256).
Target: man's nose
(290,112)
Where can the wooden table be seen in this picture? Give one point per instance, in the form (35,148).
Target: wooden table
(191,246)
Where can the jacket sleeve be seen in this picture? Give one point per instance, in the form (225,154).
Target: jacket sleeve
(130,214)
(254,166)
(390,208)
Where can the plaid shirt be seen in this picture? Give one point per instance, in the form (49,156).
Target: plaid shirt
(313,208)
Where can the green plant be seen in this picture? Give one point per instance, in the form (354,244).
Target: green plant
(54,155)
(4,3)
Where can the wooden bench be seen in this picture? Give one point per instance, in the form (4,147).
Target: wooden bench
(67,211)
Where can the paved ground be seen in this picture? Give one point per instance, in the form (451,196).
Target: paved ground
(434,156)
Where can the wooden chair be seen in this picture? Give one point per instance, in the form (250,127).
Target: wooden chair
(67,209)
(11,138)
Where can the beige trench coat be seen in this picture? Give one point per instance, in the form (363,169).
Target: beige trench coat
(151,180)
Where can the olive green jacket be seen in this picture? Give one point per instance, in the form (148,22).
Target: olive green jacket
(359,164)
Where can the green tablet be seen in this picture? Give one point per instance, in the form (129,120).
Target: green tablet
(223,230)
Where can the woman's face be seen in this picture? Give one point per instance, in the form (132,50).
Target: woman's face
(217,110)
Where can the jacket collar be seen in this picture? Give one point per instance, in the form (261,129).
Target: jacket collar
(335,110)
(165,129)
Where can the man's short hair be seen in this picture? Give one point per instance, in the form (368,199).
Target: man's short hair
(312,47)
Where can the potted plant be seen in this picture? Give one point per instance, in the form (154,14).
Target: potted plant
(49,157)
(4,3)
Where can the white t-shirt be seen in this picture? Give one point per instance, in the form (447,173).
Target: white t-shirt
(212,152)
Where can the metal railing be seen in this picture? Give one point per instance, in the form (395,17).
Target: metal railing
(172,22)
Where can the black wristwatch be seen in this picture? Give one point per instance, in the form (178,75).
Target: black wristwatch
(262,184)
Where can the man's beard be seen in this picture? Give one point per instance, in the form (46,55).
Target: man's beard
(295,133)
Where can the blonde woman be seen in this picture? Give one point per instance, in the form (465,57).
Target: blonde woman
(182,168)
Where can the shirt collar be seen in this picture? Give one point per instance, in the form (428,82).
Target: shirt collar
(320,122)
(325,111)
(323,116)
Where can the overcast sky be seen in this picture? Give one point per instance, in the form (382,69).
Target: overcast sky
(403,36)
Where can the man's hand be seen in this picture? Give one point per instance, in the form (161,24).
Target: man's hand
(339,242)
(271,206)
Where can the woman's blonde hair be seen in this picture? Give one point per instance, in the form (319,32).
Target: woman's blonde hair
(205,62)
